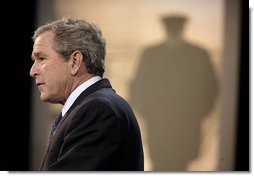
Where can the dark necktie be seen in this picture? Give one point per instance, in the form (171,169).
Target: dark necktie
(57,120)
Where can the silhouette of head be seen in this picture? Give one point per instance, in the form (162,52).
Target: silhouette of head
(174,24)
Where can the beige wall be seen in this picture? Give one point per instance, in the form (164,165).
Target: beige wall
(130,27)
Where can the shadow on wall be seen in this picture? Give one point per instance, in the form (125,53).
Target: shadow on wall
(174,89)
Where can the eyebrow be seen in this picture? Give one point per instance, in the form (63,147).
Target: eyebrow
(37,54)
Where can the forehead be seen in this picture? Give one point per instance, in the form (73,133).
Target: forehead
(43,43)
(45,38)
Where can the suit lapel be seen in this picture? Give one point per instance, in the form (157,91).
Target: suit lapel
(103,83)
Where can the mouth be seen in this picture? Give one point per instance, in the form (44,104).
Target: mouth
(39,84)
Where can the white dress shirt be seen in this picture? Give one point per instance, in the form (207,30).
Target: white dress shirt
(74,95)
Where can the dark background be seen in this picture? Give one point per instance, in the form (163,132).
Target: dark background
(17,25)
(242,139)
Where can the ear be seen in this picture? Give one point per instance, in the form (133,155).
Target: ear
(76,60)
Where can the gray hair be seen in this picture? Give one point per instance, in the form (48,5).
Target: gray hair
(72,34)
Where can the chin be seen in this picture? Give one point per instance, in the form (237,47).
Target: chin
(44,98)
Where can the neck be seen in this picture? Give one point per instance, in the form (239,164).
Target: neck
(79,80)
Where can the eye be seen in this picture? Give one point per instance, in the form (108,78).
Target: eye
(41,58)
(38,57)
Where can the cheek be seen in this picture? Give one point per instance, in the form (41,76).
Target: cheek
(52,71)
(56,75)
(59,78)
(61,72)
(50,76)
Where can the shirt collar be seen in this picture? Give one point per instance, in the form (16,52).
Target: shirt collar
(74,95)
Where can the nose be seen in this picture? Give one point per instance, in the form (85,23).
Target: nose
(33,70)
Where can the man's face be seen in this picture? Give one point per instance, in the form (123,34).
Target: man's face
(50,70)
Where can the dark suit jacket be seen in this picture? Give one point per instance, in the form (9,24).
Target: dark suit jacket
(98,133)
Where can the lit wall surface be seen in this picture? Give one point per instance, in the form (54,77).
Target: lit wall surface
(172,83)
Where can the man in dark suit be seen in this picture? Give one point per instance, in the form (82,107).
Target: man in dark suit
(96,129)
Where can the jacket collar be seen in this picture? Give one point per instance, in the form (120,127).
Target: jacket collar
(103,83)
